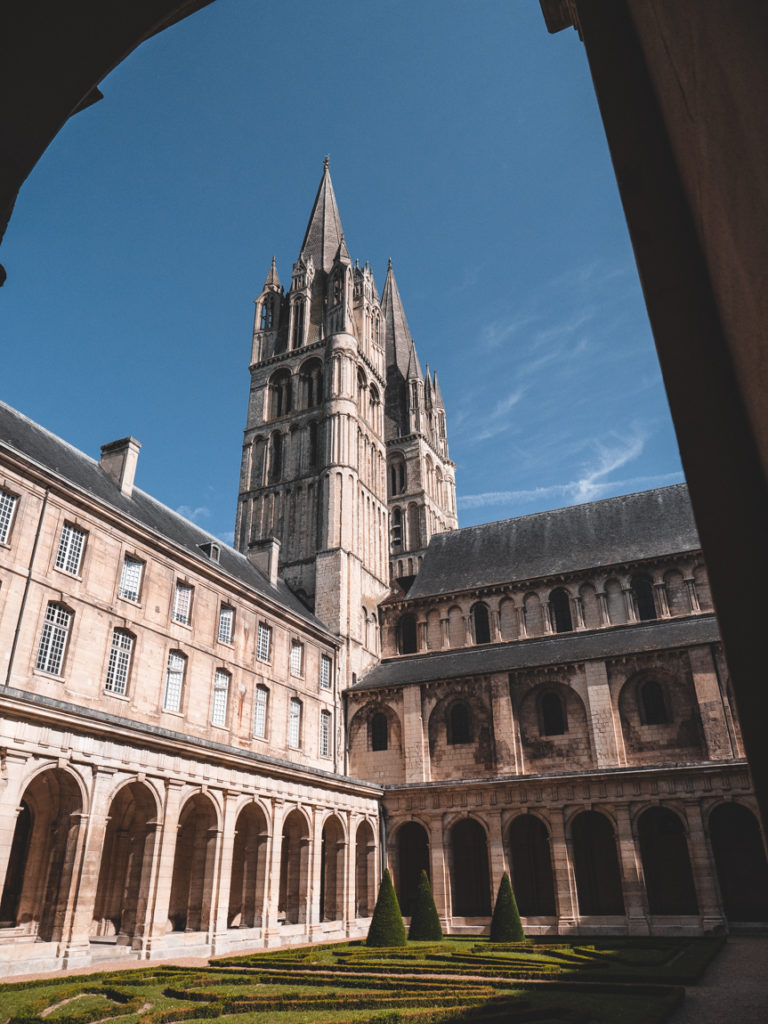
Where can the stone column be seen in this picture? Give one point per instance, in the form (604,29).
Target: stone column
(10,806)
(163,873)
(445,640)
(313,916)
(438,868)
(272,886)
(495,618)
(693,597)
(468,638)
(421,629)
(350,909)
(704,875)
(604,726)
(223,881)
(522,632)
(497,861)
(710,703)
(415,749)
(629,601)
(504,732)
(632,883)
(660,598)
(602,608)
(578,613)
(213,842)
(562,872)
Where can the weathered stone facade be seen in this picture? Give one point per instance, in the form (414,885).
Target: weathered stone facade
(207,748)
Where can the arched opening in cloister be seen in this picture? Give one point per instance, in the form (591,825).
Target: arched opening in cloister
(365,870)
(666,863)
(122,891)
(189,908)
(294,869)
(412,859)
(332,871)
(742,871)
(249,868)
(596,865)
(531,864)
(40,868)
(470,878)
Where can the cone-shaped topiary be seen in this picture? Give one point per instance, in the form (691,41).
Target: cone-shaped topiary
(425,924)
(387,928)
(506,925)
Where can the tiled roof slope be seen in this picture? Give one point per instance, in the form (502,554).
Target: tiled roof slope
(558,649)
(52,453)
(624,529)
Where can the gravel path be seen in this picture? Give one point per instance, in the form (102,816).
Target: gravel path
(734,987)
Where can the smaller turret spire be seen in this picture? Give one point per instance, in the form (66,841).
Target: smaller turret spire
(437,396)
(273,281)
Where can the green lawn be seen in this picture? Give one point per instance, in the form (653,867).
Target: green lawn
(599,982)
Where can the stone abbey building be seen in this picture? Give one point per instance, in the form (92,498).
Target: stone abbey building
(207,748)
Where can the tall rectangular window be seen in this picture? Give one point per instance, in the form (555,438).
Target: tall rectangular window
(130,578)
(220,694)
(260,712)
(294,723)
(53,641)
(297,658)
(174,681)
(325,672)
(7,508)
(182,604)
(325,734)
(226,624)
(70,553)
(264,642)
(119,662)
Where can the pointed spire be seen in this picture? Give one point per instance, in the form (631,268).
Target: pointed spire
(414,369)
(324,237)
(273,281)
(399,344)
(428,386)
(437,395)
(342,253)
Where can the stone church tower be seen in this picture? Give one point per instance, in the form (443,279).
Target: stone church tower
(421,483)
(313,483)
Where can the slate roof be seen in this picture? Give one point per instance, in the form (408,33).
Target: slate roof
(558,649)
(19,433)
(629,528)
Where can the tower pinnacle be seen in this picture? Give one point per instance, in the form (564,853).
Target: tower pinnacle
(324,233)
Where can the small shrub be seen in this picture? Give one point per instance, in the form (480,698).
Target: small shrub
(506,925)
(387,928)
(425,924)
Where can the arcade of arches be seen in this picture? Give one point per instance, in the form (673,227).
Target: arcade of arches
(95,864)
(639,866)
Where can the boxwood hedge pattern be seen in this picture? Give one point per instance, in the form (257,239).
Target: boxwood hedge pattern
(450,982)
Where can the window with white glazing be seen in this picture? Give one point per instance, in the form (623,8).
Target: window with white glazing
(119,662)
(220,695)
(325,672)
(325,734)
(263,642)
(297,658)
(226,624)
(70,553)
(53,640)
(130,578)
(174,681)
(261,699)
(7,508)
(294,723)
(182,604)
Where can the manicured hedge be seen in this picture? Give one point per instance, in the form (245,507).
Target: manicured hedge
(506,925)
(387,928)
(425,924)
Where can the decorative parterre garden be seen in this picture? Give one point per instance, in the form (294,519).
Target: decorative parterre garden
(631,981)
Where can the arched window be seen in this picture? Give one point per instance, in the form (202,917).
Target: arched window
(643,591)
(653,707)
(311,377)
(379,731)
(406,634)
(280,394)
(481,623)
(397,527)
(314,444)
(267,313)
(560,606)
(396,475)
(297,338)
(552,717)
(459,729)
(374,401)
(414,532)
(275,457)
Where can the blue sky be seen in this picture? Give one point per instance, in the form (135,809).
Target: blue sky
(465,144)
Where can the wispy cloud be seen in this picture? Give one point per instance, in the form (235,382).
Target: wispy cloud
(498,332)
(497,421)
(194,514)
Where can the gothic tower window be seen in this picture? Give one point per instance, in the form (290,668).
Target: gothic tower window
(481,623)
(642,588)
(267,313)
(314,444)
(338,289)
(275,457)
(414,532)
(459,728)
(297,337)
(653,707)
(560,607)
(396,475)
(312,383)
(552,720)
(374,406)
(397,527)
(280,394)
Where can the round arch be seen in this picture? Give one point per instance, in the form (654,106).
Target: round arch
(410,846)
(666,861)
(249,866)
(596,864)
(740,861)
(469,870)
(531,865)
(189,907)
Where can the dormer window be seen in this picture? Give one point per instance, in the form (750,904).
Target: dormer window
(213,551)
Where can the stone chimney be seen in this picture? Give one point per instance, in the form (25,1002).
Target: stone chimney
(118,460)
(265,555)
